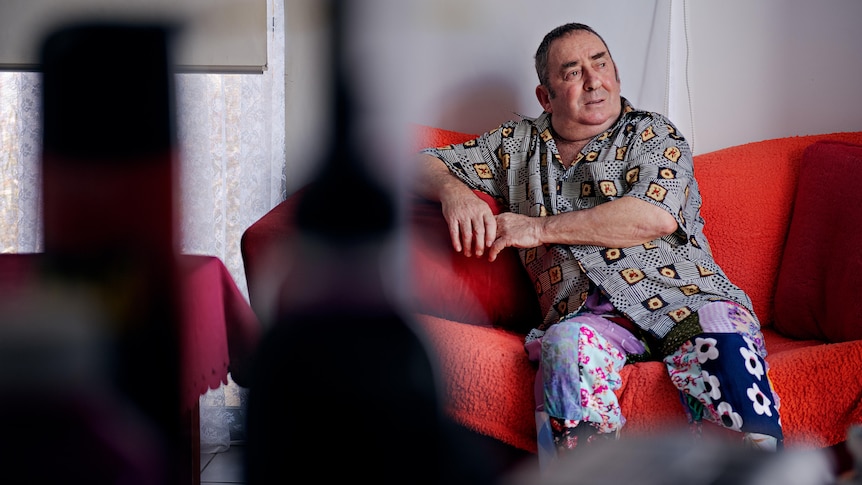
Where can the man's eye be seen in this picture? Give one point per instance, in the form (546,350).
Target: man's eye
(573,74)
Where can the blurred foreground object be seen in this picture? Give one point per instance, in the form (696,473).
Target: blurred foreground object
(677,458)
(854,447)
(342,378)
(99,332)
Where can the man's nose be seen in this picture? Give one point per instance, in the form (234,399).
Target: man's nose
(591,80)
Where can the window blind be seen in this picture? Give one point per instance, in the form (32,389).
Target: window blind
(223,36)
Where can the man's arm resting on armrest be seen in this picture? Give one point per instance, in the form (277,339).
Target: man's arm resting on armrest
(472,226)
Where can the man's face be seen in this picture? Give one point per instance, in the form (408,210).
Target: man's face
(584,83)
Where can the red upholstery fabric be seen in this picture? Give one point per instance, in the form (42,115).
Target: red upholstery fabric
(263,258)
(748,194)
(817,295)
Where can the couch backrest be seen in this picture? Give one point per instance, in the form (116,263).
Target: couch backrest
(748,195)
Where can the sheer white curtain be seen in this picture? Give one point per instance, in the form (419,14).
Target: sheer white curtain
(231,133)
(20,150)
(231,128)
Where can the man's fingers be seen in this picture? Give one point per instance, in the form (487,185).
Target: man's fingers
(479,238)
(465,237)
(494,250)
(455,236)
(490,230)
(471,226)
(467,240)
(471,238)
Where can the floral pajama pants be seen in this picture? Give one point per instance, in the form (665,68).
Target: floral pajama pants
(720,372)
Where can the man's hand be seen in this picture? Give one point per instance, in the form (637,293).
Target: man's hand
(472,226)
(515,230)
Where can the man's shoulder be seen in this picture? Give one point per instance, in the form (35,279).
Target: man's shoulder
(543,120)
(647,123)
(521,127)
(644,116)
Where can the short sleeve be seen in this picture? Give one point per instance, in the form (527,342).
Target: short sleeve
(661,171)
(475,162)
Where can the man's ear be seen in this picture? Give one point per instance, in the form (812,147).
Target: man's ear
(544,97)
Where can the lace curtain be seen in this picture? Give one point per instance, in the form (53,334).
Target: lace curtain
(20,135)
(232,130)
(231,172)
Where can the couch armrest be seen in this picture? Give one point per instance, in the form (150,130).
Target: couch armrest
(261,247)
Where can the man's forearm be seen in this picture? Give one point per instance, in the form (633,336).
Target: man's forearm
(435,182)
(622,223)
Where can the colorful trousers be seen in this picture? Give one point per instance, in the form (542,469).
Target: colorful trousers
(720,371)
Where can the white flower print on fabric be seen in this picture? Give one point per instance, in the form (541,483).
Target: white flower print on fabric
(729,418)
(761,402)
(752,362)
(751,345)
(706,349)
(711,385)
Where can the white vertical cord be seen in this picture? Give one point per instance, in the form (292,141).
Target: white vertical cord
(673,103)
(687,72)
(667,73)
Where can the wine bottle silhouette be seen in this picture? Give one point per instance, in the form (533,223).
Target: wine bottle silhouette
(109,147)
(342,381)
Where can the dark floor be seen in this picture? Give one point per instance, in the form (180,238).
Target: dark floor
(225,467)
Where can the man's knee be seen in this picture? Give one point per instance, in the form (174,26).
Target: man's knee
(563,333)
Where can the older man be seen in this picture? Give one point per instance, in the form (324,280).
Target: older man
(604,209)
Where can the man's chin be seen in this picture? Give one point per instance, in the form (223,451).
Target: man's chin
(598,114)
(599,120)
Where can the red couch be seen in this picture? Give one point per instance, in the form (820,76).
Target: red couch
(476,313)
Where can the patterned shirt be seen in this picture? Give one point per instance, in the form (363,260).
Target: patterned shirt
(656,285)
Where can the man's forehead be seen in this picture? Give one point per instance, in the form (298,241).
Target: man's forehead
(585,43)
(580,38)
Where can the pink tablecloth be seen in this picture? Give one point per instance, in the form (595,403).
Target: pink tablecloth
(219,328)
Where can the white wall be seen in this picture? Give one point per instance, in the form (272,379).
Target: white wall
(476,57)
(754,71)
(305,43)
(774,68)
(463,65)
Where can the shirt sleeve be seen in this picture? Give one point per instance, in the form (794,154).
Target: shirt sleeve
(661,170)
(475,162)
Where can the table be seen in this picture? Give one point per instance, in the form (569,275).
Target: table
(220,330)
(218,335)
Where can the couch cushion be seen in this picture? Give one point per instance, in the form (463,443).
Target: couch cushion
(817,292)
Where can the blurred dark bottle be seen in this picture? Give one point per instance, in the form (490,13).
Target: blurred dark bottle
(342,379)
(109,154)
